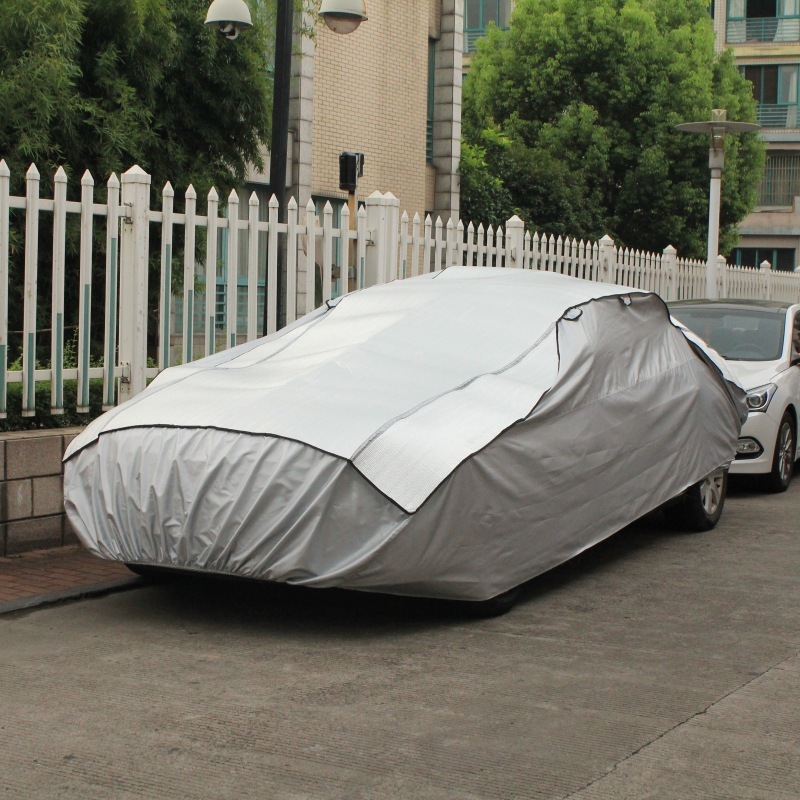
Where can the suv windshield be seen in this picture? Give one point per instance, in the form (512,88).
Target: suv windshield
(738,334)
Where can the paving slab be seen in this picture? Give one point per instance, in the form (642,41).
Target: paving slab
(60,573)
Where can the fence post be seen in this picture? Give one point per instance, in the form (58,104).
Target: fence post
(712,279)
(133,256)
(311,255)
(57,318)
(165,300)
(722,270)
(291,261)
(5,179)
(85,280)
(32,181)
(376,268)
(452,247)
(606,272)
(211,270)
(669,265)
(271,277)
(515,242)
(765,268)
(403,263)
(253,329)
(361,246)
(112,292)
(392,236)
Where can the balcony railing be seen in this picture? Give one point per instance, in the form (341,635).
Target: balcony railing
(766,29)
(471,35)
(777,115)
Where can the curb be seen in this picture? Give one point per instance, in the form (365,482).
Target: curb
(87,590)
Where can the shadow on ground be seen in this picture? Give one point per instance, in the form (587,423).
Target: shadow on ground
(220,600)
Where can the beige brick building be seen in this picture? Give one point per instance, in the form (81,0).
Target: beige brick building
(392,91)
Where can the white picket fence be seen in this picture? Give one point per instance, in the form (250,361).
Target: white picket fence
(214,314)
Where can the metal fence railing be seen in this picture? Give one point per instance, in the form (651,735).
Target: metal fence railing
(86,266)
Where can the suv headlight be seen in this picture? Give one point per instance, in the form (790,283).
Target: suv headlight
(758,398)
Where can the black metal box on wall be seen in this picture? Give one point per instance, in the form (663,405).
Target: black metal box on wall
(351,168)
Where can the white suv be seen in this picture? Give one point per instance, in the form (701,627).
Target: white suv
(760,342)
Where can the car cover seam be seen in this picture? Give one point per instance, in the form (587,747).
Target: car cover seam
(410,412)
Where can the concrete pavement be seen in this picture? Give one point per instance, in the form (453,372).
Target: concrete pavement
(658,665)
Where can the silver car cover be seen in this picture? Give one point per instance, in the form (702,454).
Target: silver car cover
(450,435)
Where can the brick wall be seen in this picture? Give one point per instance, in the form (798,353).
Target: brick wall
(32,490)
(370,96)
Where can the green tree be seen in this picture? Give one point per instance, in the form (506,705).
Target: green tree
(105,84)
(574,108)
(484,197)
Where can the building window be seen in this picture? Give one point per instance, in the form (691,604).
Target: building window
(753,21)
(775,91)
(781,182)
(479,14)
(781,258)
(431,89)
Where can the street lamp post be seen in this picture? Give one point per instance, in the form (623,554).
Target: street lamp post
(232,16)
(716,127)
(279,145)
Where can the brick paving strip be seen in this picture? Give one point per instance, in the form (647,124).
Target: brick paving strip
(61,573)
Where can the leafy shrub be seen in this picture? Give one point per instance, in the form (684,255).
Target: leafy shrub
(44,419)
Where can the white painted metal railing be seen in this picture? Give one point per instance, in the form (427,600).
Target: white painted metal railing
(242,248)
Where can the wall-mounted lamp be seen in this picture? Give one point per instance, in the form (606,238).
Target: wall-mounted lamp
(230,17)
(343,16)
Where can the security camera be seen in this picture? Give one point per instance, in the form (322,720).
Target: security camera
(230,30)
(230,17)
(343,16)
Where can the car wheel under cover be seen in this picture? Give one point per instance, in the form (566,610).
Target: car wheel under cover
(780,476)
(700,508)
(494,606)
(153,573)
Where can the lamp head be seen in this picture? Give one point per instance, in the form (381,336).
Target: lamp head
(343,16)
(718,131)
(230,17)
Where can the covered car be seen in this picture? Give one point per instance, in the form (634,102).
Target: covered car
(451,435)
